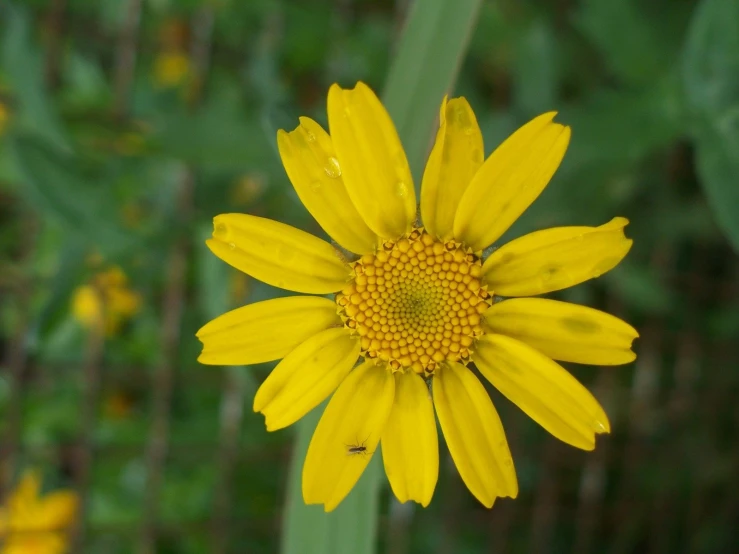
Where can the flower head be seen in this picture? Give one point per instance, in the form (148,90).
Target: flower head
(417,301)
(106,302)
(30,522)
(171,69)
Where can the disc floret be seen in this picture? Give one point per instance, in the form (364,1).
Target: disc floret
(416,302)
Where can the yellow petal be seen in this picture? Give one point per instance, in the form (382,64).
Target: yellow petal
(410,446)
(355,417)
(474,434)
(543,389)
(27,542)
(564,331)
(372,160)
(278,254)
(453,162)
(26,494)
(265,331)
(310,162)
(510,180)
(57,510)
(306,377)
(556,258)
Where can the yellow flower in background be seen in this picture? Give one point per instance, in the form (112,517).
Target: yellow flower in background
(106,302)
(4,117)
(34,524)
(171,69)
(419,302)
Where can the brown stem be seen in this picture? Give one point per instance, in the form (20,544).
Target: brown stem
(89,411)
(164,374)
(125,66)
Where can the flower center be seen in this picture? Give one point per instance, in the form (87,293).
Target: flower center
(416,302)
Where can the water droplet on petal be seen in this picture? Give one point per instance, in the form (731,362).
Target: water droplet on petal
(468,130)
(315,186)
(599,427)
(310,137)
(220,230)
(232,246)
(332,168)
(402,189)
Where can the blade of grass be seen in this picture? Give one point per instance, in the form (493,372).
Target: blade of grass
(429,54)
(426,64)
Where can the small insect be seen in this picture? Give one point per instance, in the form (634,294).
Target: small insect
(359,449)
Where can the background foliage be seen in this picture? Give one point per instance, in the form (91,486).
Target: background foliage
(126,126)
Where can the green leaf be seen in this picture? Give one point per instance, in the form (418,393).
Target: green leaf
(23,64)
(430,52)
(219,135)
(68,275)
(429,55)
(711,82)
(717,155)
(633,47)
(53,183)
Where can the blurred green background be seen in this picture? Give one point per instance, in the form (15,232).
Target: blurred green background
(126,125)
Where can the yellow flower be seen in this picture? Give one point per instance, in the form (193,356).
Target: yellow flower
(418,305)
(171,69)
(105,302)
(30,523)
(4,117)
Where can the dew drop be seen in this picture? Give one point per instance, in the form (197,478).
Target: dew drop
(332,168)
(468,130)
(599,427)
(220,230)
(232,246)
(310,137)
(402,189)
(315,186)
